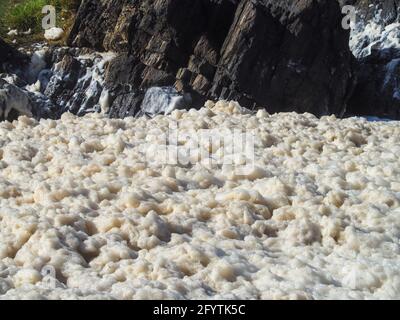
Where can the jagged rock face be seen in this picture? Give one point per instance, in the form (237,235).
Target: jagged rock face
(95,21)
(376,43)
(282,55)
(76,82)
(297,58)
(51,81)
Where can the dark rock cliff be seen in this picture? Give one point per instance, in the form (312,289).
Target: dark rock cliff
(282,55)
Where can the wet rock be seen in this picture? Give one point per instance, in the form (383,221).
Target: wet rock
(65,76)
(375,41)
(126,104)
(127,79)
(76,82)
(56,80)
(163,100)
(378,87)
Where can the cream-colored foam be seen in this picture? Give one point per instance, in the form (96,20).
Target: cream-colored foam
(317,217)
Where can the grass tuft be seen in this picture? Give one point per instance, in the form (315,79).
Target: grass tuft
(26,15)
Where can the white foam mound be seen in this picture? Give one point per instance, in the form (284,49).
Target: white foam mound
(85,214)
(54,34)
(12,33)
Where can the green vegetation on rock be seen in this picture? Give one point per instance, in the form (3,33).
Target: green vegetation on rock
(27,14)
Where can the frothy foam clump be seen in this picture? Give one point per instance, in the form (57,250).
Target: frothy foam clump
(54,34)
(85,215)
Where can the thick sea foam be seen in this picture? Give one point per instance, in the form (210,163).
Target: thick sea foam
(86,212)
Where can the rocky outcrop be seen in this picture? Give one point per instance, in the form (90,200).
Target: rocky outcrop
(377,92)
(14,99)
(96,24)
(282,55)
(76,82)
(51,80)
(375,41)
(23,81)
